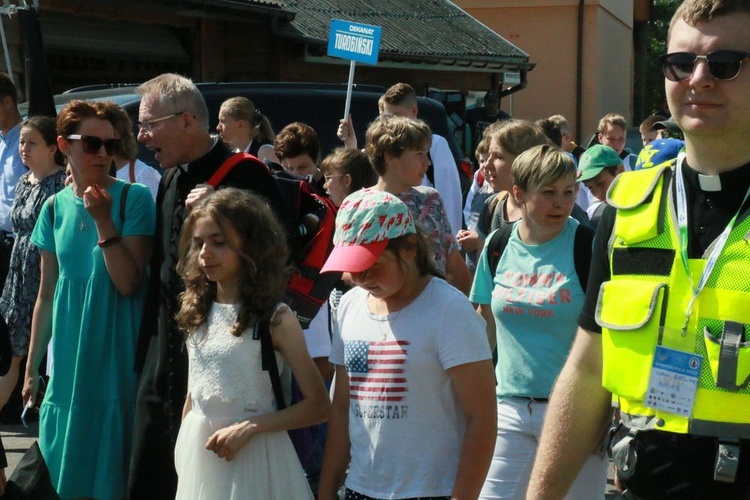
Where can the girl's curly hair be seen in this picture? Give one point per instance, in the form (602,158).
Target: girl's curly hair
(260,241)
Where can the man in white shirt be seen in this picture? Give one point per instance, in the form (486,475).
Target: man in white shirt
(11,166)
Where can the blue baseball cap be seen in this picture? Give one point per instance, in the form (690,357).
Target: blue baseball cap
(657,152)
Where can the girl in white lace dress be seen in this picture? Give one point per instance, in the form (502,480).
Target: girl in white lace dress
(233,442)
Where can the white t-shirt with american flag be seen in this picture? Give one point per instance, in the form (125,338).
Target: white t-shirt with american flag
(405,424)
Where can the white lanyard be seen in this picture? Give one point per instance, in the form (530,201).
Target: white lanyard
(682,236)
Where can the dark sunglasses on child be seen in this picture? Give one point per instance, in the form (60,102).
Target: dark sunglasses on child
(722,64)
(92,144)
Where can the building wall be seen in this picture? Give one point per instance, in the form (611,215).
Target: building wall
(547,31)
(611,45)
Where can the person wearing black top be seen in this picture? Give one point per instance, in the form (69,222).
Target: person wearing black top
(481,117)
(298,148)
(173,123)
(711,104)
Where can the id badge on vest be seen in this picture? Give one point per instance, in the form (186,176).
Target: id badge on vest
(673,381)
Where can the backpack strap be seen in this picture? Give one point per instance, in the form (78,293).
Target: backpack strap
(490,206)
(496,247)
(430,170)
(582,248)
(124,200)
(52,209)
(495,203)
(484,220)
(268,360)
(227,167)
(582,245)
(597,215)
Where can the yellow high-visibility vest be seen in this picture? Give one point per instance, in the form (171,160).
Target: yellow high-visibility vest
(644,304)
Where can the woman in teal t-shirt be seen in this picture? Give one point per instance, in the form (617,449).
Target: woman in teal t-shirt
(94,254)
(531,305)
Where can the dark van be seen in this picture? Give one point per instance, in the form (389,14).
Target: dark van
(319,105)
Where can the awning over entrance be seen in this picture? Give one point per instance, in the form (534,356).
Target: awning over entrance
(99,37)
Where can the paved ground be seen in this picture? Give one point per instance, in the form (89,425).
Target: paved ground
(17,440)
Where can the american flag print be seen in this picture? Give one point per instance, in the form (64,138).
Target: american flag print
(376,370)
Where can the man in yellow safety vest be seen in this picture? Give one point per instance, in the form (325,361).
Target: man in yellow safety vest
(665,330)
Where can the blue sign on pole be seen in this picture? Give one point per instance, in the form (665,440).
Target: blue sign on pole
(354,41)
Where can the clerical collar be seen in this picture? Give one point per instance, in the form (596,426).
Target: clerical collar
(709,182)
(733,180)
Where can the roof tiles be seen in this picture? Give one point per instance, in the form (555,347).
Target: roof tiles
(435,28)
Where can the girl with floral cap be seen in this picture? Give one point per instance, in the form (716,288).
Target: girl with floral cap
(413,411)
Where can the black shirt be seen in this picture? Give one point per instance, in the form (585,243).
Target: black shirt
(478,120)
(709,214)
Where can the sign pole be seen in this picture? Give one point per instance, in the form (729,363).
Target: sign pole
(349,87)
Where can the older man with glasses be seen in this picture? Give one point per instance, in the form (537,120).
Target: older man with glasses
(667,315)
(173,123)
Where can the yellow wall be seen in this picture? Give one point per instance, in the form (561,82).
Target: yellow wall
(547,31)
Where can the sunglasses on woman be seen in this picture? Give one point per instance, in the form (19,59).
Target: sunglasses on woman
(92,144)
(722,64)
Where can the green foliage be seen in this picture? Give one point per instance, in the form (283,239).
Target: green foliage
(658,27)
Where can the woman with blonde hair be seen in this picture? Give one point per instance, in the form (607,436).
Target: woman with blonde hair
(245,129)
(530,290)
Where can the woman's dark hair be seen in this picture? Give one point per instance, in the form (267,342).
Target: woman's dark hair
(123,126)
(418,241)
(297,139)
(47,129)
(261,245)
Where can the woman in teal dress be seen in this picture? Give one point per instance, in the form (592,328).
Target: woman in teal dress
(94,257)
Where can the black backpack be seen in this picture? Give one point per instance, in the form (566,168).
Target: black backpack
(308,288)
(582,245)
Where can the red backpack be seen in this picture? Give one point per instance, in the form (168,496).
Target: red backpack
(315,215)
